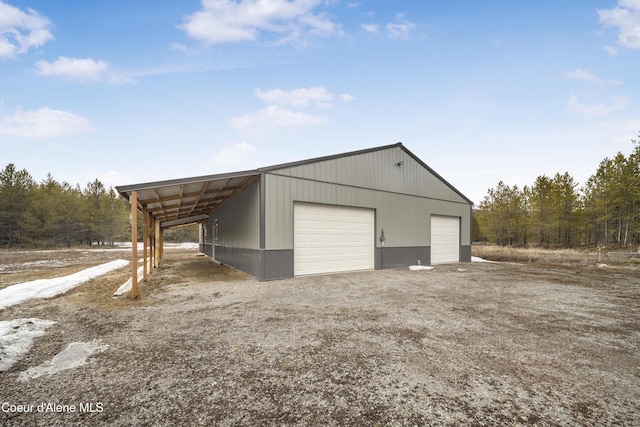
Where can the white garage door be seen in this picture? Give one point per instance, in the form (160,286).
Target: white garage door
(445,239)
(328,238)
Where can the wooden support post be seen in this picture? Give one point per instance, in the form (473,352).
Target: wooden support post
(151,252)
(161,244)
(151,225)
(145,237)
(134,244)
(156,244)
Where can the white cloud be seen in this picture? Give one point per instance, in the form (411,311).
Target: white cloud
(583,75)
(228,21)
(280,108)
(626,16)
(82,70)
(596,110)
(275,116)
(179,47)
(579,74)
(319,24)
(346,97)
(302,97)
(43,123)
(400,30)
(21,30)
(611,50)
(370,28)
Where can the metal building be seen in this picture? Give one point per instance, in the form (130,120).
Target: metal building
(370,209)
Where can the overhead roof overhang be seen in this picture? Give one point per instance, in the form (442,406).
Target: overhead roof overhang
(189,200)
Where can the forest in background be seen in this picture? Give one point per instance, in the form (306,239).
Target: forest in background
(551,212)
(556,212)
(52,214)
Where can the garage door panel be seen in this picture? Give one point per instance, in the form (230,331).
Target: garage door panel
(445,239)
(332,238)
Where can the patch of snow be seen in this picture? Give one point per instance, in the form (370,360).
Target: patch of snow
(420,267)
(477,259)
(126,286)
(75,355)
(167,245)
(16,338)
(189,245)
(127,245)
(47,288)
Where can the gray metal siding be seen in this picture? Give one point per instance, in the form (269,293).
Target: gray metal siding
(239,220)
(405,218)
(207,249)
(391,257)
(261,264)
(247,260)
(277,264)
(465,253)
(377,170)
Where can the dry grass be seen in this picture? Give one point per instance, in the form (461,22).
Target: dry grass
(24,266)
(569,257)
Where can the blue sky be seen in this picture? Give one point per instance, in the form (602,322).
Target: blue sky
(130,92)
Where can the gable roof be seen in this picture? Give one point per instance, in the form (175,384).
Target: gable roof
(367,151)
(190,200)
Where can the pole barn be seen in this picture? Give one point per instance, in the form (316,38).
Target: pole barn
(377,208)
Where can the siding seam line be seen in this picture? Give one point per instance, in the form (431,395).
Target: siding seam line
(367,188)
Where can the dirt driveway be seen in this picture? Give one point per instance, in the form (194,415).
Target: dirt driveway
(468,344)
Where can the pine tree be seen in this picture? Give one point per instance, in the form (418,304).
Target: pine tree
(542,211)
(40,220)
(501,215)
(94,211)
(15,191)
(565,200)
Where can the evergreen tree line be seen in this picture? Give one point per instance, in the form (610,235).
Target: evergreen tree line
(52,213)
(553,211)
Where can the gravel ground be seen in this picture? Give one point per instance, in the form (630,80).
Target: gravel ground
(469,344)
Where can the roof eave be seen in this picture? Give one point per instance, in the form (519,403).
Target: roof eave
(125,190)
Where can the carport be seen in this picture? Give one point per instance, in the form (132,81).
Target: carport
(173,203)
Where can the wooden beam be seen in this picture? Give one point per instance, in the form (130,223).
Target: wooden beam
(145,238)
(202,191)
(152,243)
(134,244)
(156,244)
(151,228)
(193,194)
